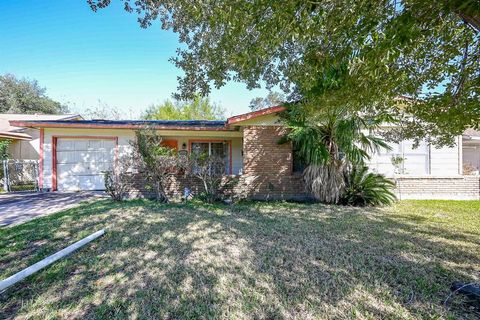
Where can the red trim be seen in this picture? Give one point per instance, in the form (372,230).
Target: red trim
(255,114)
(48,124)
(190,141)
(40,161)
(54,164)
(54,152)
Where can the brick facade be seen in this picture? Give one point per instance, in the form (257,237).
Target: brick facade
(268,165)
(432,187)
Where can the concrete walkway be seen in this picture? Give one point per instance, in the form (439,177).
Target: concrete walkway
(20,207)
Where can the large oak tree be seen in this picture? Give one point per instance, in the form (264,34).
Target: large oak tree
(335,53)
(26,96)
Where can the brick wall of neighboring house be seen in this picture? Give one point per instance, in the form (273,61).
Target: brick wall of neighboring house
(425,187)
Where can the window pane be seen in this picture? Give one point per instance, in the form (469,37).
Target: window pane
(220,149)
(200,147)
(299,163)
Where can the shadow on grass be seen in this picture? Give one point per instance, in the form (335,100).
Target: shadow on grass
(255,260)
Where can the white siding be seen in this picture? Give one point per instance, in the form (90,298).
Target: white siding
(445,161)
(421,161)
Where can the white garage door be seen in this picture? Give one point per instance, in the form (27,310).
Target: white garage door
(81,163)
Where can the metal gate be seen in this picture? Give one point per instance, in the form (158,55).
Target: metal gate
(20,175)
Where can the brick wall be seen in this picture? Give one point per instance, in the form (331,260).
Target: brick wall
(447,188)
(267,166)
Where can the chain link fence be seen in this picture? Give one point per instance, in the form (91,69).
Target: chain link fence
(20,175)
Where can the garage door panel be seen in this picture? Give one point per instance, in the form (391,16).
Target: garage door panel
(81,163)
(94,144)
(109,144)
(65,145)
(66,157)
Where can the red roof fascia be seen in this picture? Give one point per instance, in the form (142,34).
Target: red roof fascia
(255,114)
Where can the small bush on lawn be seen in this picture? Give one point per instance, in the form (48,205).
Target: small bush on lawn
(363,188)
(117,185)
(118,181)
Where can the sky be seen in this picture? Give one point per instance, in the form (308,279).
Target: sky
(83,57)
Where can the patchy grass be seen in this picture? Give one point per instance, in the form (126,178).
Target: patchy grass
(254,260)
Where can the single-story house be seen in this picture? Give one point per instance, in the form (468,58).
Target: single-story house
(74,153)
(26,141)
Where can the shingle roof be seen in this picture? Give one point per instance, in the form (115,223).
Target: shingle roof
(129,124)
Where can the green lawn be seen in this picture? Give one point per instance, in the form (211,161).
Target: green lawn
(256,260)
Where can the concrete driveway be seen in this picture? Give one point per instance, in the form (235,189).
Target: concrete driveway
(20,207)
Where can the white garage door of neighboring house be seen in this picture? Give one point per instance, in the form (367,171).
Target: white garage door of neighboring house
(81,163)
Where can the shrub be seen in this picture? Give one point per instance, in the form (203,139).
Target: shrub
(117,185)
(210,169)
(363,188)
(118,181)
(157,163)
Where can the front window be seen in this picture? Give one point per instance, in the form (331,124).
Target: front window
(299,164)
(216,149)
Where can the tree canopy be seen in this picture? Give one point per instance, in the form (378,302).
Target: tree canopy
(356,54)
(197,108)
(26,96)
(273,98)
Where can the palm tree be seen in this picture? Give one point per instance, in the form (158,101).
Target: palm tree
(329,142)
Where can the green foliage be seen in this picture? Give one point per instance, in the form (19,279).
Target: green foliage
(210,170)
(272,99)
(329,141)
(196,109)
(361,55)
(363,188)
(4,144)
(156,163)
(330,136)
(26,96)
(4,154)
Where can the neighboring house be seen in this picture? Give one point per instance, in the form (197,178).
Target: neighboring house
(471,151)
(74,154)
(26,141)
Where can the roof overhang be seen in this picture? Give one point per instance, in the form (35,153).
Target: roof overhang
(15,135)
(255,114)
(231,124)
(117,125)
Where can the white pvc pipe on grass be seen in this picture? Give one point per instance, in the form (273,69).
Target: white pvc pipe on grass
(19,276)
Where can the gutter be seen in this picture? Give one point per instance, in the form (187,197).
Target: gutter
(14,135)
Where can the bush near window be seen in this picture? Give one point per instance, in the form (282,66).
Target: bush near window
(363,188)
(157,163)
(210,169)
